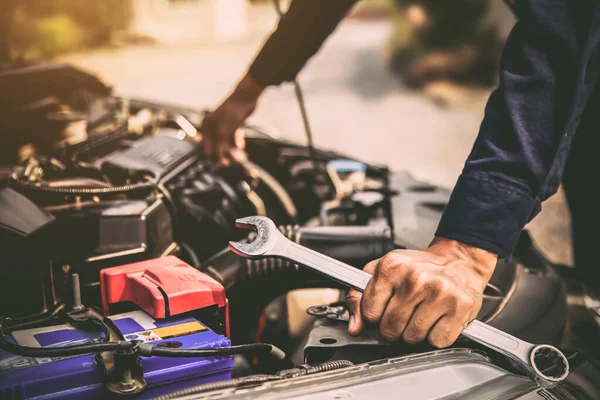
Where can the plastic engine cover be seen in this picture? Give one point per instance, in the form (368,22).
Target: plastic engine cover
(78,377)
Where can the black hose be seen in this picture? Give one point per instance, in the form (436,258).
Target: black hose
(35,187)
(190,255)
(253,348)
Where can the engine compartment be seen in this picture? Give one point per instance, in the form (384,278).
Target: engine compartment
(110,212)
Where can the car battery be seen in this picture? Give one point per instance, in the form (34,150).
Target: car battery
(79,377)
(151,321)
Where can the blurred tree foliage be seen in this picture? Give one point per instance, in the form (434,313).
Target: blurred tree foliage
(43,28)
(453,40)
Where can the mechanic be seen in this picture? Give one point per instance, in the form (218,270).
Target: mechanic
(546,94)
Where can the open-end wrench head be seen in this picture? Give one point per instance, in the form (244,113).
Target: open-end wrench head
(266,238)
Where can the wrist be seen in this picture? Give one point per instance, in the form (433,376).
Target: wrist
(483,262)
(248,90)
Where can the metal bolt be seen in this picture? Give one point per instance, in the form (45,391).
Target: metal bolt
(127,384)
(77,306)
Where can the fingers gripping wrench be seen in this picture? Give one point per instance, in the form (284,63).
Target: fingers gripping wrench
(544,363)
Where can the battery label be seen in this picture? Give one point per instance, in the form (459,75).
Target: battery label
(143,337)
(186,328)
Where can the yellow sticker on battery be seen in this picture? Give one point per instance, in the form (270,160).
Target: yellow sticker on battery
(186,328)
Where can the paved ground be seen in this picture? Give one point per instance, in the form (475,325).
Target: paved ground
(356,106)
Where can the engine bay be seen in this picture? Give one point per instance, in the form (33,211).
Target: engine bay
(114,229)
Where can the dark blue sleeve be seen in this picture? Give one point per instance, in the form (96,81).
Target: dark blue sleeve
(299,35)
(519,155)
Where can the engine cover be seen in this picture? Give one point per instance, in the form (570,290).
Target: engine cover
(158,156)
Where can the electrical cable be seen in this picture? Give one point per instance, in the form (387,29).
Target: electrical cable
(148,350)
(26,351)
(145,350)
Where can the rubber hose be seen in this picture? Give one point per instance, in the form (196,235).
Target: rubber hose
(355,245)
(275,186)
(192,257)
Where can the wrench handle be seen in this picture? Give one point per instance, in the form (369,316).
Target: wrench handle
(331,268)
(497,340)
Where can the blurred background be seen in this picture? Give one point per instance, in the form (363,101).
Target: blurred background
(400,82)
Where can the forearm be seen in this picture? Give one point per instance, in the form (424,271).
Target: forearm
(248,89)
(299,35)
(519,155)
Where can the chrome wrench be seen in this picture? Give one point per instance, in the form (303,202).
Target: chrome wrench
(544,363)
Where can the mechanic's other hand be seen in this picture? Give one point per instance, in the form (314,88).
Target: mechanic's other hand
(417,295)
(220,126)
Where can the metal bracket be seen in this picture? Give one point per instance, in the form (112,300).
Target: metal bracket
(121,369)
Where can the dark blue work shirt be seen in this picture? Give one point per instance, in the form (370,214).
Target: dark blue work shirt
(549,68)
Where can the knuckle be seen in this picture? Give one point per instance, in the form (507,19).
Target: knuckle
(437,286)
(413,279)
(466,301)
(370,314)
(460,302)
(387,268)
(412,334)
(444,339)
(389,334)
(417,324)
(371,267)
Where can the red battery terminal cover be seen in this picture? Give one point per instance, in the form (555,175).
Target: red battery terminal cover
(162,287)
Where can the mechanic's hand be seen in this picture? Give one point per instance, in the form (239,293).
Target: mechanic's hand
(220,126)
(430,294)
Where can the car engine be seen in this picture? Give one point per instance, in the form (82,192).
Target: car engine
(114,229)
